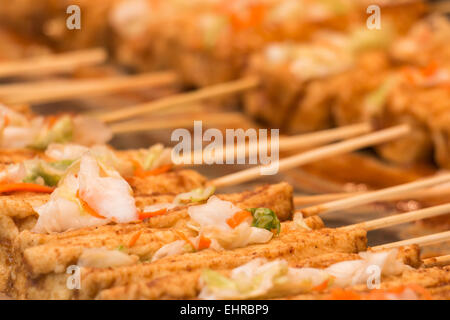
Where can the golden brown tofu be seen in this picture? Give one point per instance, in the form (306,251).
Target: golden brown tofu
(435,281)
(62,249)
(293,247)
(186,284)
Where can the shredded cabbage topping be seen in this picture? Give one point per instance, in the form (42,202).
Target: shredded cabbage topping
(153,157)
(196,195)
(88,194)
(59,132)
(261,279)
(224,226)
(19,131)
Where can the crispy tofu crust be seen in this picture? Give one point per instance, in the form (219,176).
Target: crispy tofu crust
(277,197)
(63,249)
(435,280)
(20,204)
(293,247)
(186,284)
(172,182)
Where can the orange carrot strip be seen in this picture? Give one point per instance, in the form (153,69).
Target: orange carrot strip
(204,243)
(134,239)
(430,69)
(88,208)
(145,215)
(141,173)
(21,186)
(343,294)
(322,286)
(238,218)
(52,120)
(5,120)
(183,236)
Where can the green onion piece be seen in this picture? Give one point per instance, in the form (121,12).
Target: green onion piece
(60,132)
(265,218)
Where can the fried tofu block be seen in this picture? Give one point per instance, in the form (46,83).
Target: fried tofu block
(32,245)
(46,19)
(351,88)
(186,284)
(277,197)
(62,249)
(167,184)
(172,182)
(5,265)
(289,96)
(293,247)
(426,40)
(435,280)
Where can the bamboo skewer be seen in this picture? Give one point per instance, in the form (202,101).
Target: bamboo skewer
(215,119)
(324,136)
(53,90)
(325,197)
(375,195)
(184,98)
(285,143)
(317,154)
(437,261)
(55,63)
(414,195)
(401,218)
(288,143)
(421,241)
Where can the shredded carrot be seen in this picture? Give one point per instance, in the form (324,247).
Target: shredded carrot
(134,239)
(378,294)
(183,236)
(252,18)
(52,120)
(343,294)
(324,285)
(5,120)
(31,187)
(430,69)
(204,243)
(238,218)
(145,215)
(141,173)
(88,208)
